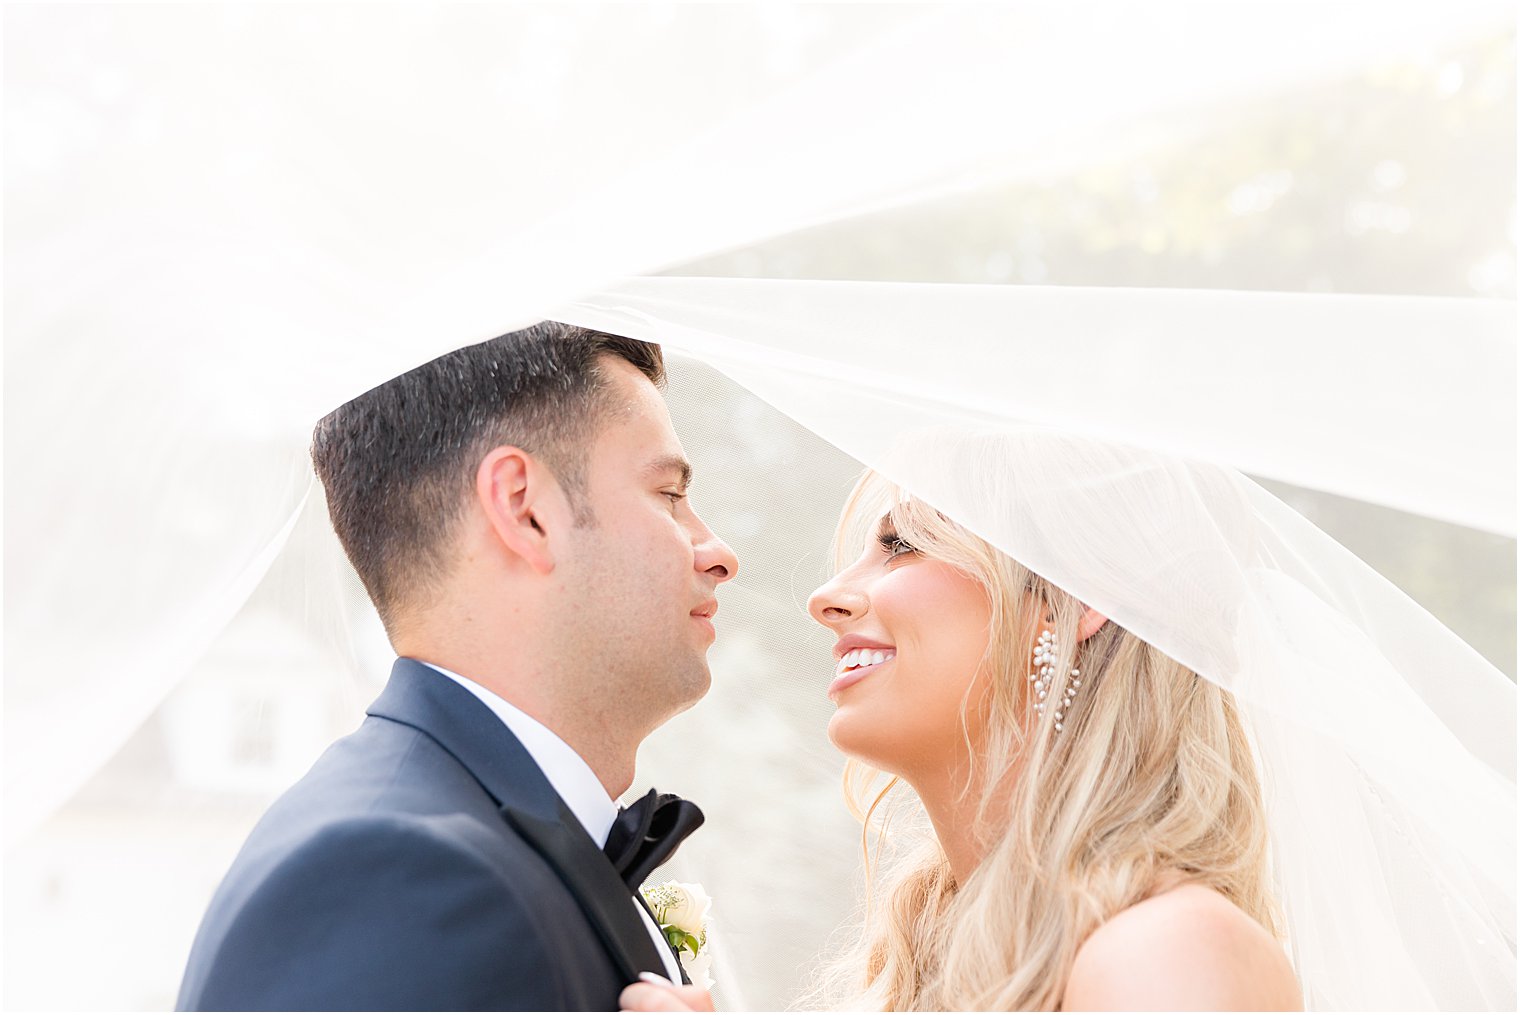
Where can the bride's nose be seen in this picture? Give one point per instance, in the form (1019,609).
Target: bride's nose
(835,602)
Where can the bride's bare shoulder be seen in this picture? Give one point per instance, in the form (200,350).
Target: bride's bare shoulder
(1188,948)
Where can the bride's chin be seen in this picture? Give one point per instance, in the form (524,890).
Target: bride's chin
(840,733)
(846,734)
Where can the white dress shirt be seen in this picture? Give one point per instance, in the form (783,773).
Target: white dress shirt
(573,780)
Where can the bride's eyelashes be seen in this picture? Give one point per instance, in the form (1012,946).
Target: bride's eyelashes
(894,545)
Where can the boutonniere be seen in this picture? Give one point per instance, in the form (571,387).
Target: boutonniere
(681,911)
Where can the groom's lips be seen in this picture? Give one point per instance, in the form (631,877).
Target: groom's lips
(704,614)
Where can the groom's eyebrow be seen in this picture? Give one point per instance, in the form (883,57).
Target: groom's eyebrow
(666,464)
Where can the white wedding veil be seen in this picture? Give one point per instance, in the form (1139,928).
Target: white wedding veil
(1203,312)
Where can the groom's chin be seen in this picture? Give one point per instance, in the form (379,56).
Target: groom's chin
(695,683)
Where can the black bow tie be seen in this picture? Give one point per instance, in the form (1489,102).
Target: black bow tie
(646,833)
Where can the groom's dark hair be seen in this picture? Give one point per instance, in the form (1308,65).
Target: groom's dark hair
(398,462)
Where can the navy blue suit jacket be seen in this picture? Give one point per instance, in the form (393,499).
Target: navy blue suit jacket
(424,863)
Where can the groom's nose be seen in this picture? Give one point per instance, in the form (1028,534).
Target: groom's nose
(712,555)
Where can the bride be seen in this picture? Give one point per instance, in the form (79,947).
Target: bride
(1100,839)
(1101,842)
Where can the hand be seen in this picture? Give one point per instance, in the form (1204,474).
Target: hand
(655,993)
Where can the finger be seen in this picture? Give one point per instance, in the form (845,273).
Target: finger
(695,998)
(645,997)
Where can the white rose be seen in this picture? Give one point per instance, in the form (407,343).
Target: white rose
(687,910)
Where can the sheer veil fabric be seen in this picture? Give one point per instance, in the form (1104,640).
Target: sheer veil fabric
(215,239)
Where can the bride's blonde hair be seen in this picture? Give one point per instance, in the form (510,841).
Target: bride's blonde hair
(1152,774)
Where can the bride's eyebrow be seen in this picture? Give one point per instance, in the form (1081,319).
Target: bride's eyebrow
(884,526)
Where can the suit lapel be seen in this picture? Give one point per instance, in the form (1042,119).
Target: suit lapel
(588,874)
(427,700)
(674,954)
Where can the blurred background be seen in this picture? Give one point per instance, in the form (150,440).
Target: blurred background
(1393,175)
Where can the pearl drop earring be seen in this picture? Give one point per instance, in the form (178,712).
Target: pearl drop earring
(1043,678)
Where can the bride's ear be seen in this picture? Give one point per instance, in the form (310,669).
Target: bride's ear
(518,496)
(1092,621)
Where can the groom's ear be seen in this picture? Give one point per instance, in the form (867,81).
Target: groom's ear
(522,501)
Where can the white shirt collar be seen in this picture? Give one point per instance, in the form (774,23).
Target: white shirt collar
(566,771)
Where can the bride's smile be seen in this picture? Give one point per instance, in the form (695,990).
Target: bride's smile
(858,659)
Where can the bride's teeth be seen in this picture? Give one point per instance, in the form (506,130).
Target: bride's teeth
(861,657)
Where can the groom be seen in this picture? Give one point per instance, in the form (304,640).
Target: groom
(517,511)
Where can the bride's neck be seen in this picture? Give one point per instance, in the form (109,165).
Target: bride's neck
(953,812)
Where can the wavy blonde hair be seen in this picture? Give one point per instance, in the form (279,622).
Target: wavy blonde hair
(1152,775)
